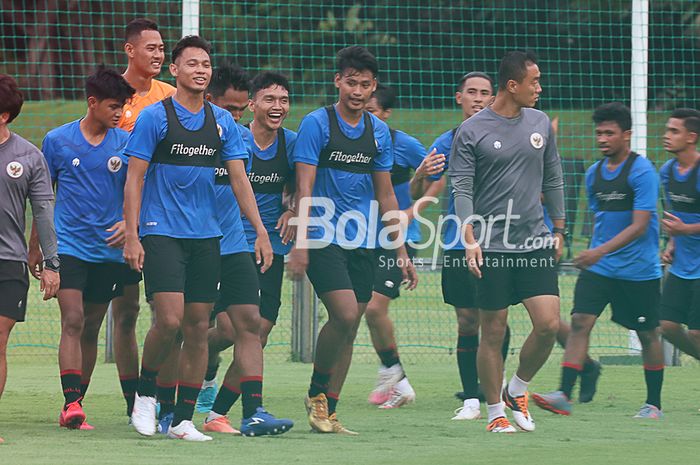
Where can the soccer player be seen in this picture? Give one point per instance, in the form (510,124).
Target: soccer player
(680,300)
(86,160)
(228,89)
(621,267)
(502,160)
(343,157)
(173,149)
(251,296)
(393,388)
(145,52)
(24,175)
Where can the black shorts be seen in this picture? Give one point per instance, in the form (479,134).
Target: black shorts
(14,285)
(458,284)
(189,266)
(271,289)
(635,304)
(131,277)
(99,282)
(680,301)
(509,278)
(388,275)
(239,282)
(333,268)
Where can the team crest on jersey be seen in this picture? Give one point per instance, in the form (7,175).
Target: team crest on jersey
(536,140)
(15,169)
(114,164)
(76,162)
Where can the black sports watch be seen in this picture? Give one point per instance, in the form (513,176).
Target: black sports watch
(563,231)
(53,264)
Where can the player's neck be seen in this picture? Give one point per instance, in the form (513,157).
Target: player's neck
(141,83)
(263,136)
(687,158)
(352,117)
(192,101)
(505,106)
(93,131)
(4,133)
(617,159)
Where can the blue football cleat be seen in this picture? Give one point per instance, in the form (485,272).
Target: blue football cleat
(263,423)
(165,422)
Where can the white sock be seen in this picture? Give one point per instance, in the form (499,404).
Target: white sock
(403,386)
(213,416)
(496,411)
(209,383)
(472,403)
(517,387)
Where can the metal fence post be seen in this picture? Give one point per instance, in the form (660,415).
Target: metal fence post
(304,324)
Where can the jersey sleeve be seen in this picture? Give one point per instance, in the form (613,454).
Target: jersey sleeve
(665,176)
(234,147)
(645,183)
(440,147)
(291,139)
(40,181)
(48,148)
(590,177)
(412,151)
(385,155)
(148,131)
(310,141)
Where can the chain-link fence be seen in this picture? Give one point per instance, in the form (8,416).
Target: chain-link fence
(586,58)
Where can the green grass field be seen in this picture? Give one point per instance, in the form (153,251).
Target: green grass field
(602,432)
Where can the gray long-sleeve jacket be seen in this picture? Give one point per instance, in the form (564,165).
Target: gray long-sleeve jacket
(499,167)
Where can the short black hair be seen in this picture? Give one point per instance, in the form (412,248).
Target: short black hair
(473,74)
(11,98)
(513,67)
(137,26)
(615,112)
(190,41)
(228,75)
(268,79)
(690,117)
(357,58)
(107,83)
(385,95)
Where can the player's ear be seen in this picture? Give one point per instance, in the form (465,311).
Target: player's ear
(512,86)
(129,50)
(4,117)
(374,84)
(91,101)
(627,135)
(336,80)
(458,98)
(172,67)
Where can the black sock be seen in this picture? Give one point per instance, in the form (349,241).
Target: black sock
(70,382)
(569,375)
(506,345)
(84,387)
(319,383)
(654,377)
(466,362)
(212,370)
(389,357)
(332,402)
(226,397)
(186,399)
(165,394)
(129,385)
(251,394)
(147,382)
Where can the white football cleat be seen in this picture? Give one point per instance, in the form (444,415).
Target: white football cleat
(186,431)
(143,417)
(386,380)
(402,394)
(469,411)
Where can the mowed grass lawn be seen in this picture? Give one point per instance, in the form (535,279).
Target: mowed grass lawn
(602,432)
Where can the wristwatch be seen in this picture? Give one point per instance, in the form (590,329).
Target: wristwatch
(563,231)
(53,264)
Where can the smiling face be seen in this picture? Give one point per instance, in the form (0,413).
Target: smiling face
(611,139)
(192,70)
(270,107)
(354,89)
(146,53)
(476,94)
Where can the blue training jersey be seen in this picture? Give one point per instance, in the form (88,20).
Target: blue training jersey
(90,192)
(638,260)
(686,258)
(408,153)
(347,190)
(270,204)
(179,201)
(450,233)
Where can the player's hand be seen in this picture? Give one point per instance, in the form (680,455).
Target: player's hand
(297,264)
(263,251)
(35,261)
(49,283)
(408,270)
(667,255)
(559,251)
(118,237)
(475,259)
(432,164)
(673,225)
(287,231)
(588,258)
(134,253)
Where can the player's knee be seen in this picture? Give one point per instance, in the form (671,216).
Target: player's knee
(647,338)
(72,324)
(374,315)
(547,329)
(126,320)
(468,323)
(346,322)
(670,328)
(581,324)
(168,326)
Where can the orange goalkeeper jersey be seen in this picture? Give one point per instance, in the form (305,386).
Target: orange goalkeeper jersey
(159,90)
